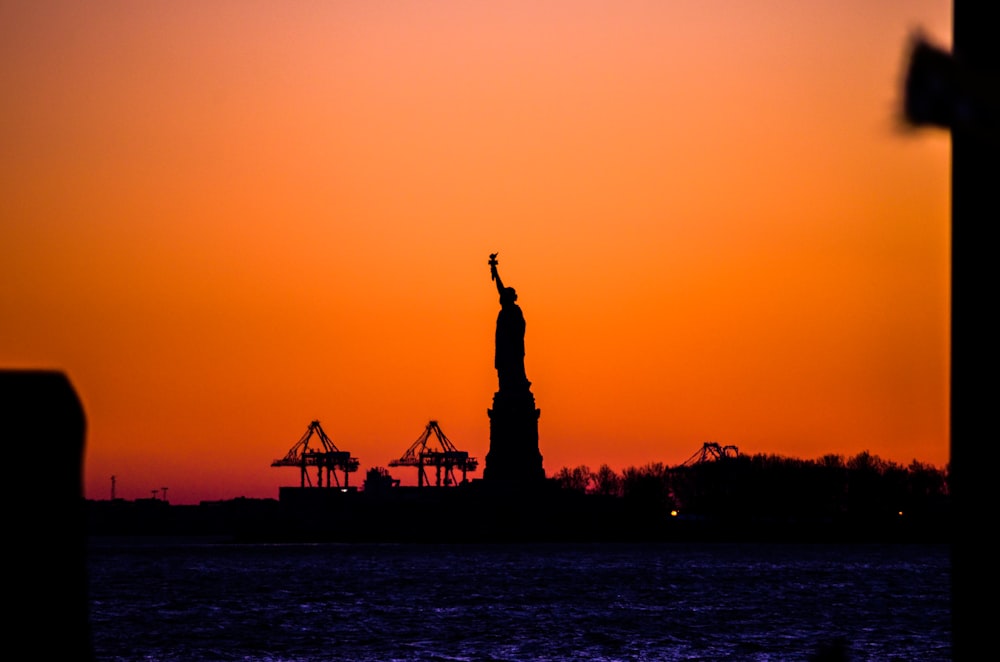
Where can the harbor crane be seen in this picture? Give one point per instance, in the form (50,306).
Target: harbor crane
(445,460)
(712,451)
(325,456)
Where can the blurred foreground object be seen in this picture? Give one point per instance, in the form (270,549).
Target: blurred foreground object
(43,430)
(943,91)
(959,92)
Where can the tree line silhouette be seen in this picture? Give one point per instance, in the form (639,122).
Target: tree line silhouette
(759,487)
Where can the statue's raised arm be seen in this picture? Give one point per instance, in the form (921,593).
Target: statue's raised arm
(494,273)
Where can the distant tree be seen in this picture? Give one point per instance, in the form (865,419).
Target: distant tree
(722,487)
(606,482)
(832,461)
(866,462)
(576,479)
(866,490)
(927,489)
(772,488)
(648,489)
(926,480)
(831,485)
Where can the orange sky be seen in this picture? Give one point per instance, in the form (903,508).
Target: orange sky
(224,220)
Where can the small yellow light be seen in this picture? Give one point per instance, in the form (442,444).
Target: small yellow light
(673,513)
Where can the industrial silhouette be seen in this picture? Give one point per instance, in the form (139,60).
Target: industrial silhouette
(327,459)
(717,493)
(445,459)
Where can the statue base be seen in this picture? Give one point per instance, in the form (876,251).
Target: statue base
(514,460)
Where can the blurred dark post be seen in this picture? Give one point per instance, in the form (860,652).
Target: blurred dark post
(960,91)
(975,187)
(43,427)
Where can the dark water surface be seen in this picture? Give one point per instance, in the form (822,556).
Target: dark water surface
(300,602)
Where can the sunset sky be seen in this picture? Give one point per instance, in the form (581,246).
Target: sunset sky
(223,220)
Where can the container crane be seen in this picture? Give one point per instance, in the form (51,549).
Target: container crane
(325,456)
(444,461)
(712,451)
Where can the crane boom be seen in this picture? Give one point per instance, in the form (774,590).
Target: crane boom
(712,450)
(325,456)
(445,460)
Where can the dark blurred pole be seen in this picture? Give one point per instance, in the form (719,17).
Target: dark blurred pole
(960,91)
(975,213)
(45,595)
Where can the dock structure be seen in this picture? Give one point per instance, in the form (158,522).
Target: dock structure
(324,456)
(445,459)
(710,451)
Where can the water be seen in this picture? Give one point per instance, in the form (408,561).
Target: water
(269,603)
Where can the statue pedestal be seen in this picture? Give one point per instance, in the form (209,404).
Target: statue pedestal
(514,460)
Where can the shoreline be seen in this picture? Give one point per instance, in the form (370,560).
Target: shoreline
(466,514)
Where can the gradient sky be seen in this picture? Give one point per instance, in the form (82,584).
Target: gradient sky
(223,220)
